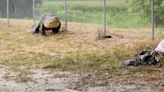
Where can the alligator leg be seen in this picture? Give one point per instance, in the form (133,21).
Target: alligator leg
(56,30)
(42,29)
(37,29)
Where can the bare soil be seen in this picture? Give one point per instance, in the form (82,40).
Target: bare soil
(96,81)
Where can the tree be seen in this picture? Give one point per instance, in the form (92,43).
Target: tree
(143,8)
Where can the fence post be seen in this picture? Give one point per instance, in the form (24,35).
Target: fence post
(152,19)
(7,12)
(34,12)
(104,17)
(65,13)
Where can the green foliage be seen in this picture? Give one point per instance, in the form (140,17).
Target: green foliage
(143,8)
(87,12)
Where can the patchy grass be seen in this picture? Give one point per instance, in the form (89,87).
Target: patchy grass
(74,50)
(87,61)
(18,51)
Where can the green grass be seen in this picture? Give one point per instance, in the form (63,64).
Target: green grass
(90,60)
(92,12)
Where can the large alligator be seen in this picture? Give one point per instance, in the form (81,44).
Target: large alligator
(48,21)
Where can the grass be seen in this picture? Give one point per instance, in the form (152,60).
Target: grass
(76,50)
(21,49)
(14,54)
(86,12)
(87,61)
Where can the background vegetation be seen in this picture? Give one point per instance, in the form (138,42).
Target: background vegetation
(120,13)
(142,7)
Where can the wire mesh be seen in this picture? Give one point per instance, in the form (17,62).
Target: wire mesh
(118,13)
(3,13)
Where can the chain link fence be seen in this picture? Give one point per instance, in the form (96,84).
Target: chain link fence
(113,13)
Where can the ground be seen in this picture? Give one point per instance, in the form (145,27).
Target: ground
(75,60)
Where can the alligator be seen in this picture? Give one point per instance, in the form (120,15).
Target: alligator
(48,21)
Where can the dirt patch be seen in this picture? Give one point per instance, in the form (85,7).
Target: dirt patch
(108,80)
(41,81)
(123,80)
